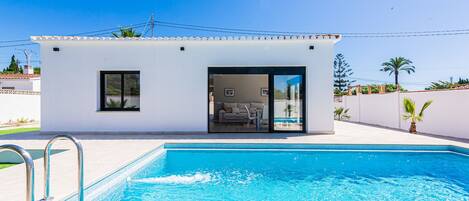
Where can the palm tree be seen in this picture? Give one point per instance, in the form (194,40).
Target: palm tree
(410,113)
(341,113)
(126,32)
(397,64)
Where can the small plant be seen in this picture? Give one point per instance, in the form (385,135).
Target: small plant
(341,114)
(117,104)
(22,120)
(411,113)
(114,104)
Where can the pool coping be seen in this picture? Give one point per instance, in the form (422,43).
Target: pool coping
(102,185)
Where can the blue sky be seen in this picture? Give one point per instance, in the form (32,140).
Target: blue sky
(435,58)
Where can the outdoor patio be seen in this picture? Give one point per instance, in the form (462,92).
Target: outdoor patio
(105,153)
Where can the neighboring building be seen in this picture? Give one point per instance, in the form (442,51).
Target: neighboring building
(27,82)
(187,84)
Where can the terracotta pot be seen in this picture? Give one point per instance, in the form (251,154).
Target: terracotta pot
(413,128)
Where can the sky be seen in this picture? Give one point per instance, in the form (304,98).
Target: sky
(435,57)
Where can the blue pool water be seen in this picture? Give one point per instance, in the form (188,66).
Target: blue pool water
(298,175)
(287,120)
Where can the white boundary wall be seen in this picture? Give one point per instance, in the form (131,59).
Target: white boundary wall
(447,116)
(16,106)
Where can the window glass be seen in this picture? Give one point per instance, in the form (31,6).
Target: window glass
(131,90)
(112,90)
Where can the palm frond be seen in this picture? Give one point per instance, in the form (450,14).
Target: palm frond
(424,107)
(409,106)
(406,116)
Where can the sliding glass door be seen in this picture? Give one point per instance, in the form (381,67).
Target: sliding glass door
(256,99)
(288,103)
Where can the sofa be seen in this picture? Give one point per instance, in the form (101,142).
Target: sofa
(236,112)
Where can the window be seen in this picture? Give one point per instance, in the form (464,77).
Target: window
(120,90)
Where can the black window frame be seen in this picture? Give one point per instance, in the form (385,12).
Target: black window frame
(102,101)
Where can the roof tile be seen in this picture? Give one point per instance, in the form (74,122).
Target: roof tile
(18,76)
(188,38)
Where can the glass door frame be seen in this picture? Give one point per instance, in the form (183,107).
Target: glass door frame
(271,72)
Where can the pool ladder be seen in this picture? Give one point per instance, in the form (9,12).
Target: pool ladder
(30,167)
(80,194)
(28,161)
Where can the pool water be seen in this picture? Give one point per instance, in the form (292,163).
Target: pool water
(298,175)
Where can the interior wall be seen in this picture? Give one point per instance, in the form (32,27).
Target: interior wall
(247,88)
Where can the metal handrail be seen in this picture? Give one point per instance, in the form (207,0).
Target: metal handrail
(47,165)
(28,161)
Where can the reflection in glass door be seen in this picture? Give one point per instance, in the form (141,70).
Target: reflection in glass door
(288,103)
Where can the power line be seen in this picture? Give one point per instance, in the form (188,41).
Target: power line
(21,61)
(109,30)
(90,33)
(243,31)
(211,30)
(16,45)
(13,41)
(344,34)
(388,82)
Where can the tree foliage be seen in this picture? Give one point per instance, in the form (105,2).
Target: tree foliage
(14,66)
(388,88)
(126,32)
(37,70)
(342,73)
(463,81)
(396,65)
(440,84)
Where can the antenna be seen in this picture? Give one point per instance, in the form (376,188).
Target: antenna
(150,25)
(27,53)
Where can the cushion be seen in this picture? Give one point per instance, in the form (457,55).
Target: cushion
(242,108)
(258,106)
(228,107)
(235,110)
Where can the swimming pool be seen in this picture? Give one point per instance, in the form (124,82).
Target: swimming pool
(290,172)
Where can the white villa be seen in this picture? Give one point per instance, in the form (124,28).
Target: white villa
(187,84)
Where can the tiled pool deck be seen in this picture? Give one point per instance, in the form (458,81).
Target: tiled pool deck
(105,153)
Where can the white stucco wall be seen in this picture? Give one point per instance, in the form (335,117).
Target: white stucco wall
(173,82)
(22,84)
(446,116)
(17,106)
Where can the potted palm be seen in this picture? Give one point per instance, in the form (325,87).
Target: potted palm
(341,113)
(412,115)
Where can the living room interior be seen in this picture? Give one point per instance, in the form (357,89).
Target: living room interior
(238,103)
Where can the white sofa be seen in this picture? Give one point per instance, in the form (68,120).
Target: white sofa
(236,112)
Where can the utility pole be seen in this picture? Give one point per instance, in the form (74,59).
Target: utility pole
(152,24)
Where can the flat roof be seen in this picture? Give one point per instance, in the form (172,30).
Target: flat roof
(18,76)
(330,37)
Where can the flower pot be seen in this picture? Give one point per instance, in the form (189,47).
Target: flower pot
(413,128)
